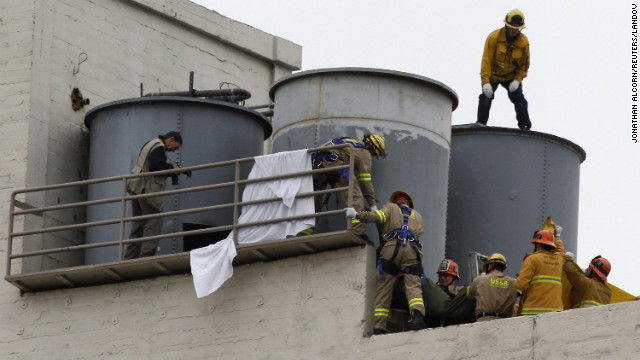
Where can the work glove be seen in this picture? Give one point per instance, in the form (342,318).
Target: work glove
(374,208)
(514,85)
(570,255)
(487,90)
(351,212)
(558,230)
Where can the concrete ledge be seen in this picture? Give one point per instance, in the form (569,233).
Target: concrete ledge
(314,306)
(603,332)
(178,263)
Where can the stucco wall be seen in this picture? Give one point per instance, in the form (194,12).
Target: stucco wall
(308,307)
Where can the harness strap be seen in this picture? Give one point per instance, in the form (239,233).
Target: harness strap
(403,233)
(344,139)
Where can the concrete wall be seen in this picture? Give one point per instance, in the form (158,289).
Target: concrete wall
(106,49)
(16,55)
(308,307)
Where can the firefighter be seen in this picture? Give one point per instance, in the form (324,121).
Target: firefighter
(589,287)
(448,273)
(495,292)
(505,62)
(539,281)
(399,255)
(372,145)
(152,157)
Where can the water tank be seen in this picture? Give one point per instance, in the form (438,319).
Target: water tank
(212,131)
(503,184)
(412,112)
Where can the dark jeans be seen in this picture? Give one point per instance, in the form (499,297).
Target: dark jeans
(517,98)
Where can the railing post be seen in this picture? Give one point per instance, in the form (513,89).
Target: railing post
(351,185)
(123,214)
(236,200)
(12,201)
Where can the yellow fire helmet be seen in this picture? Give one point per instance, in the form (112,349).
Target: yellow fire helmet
(514,19)
(496,258)
(376,144)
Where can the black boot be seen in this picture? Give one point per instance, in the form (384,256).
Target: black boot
(416,322)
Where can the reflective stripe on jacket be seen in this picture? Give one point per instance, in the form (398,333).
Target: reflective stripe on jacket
(390,216)
(540,282)
(587,291)
(502,61)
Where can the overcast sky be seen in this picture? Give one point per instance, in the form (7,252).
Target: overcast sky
(578,85)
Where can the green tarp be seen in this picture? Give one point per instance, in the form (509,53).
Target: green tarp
(441,310)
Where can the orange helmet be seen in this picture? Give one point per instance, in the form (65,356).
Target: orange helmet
(544,237)
(450,267)
(601,266)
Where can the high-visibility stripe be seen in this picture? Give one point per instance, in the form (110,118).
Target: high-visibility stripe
(469,292)
(382,218)
(588,303)
(536,311)
(364,177)
(381,312)
(546,279)
(355,221)
(415,302)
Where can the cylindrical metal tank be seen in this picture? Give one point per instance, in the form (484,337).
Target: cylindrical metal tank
(411,111)
(503,183)
(212,131)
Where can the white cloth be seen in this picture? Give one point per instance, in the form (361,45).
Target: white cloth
(272,165)
(212,265)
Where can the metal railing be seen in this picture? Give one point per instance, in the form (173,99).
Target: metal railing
(476,262)
(27,209)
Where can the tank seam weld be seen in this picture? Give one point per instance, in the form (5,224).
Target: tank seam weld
(360,118)
(545,164)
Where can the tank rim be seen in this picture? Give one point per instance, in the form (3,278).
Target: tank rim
(474,129)
(268,129)
(371,71)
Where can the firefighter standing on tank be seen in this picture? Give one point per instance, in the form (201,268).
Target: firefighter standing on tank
(372,145)
(400,255)
(505,62)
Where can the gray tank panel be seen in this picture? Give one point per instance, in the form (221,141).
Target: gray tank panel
(412,112)
(503,184)
(212,131)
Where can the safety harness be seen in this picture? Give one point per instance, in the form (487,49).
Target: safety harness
(331,178)
(402,235)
